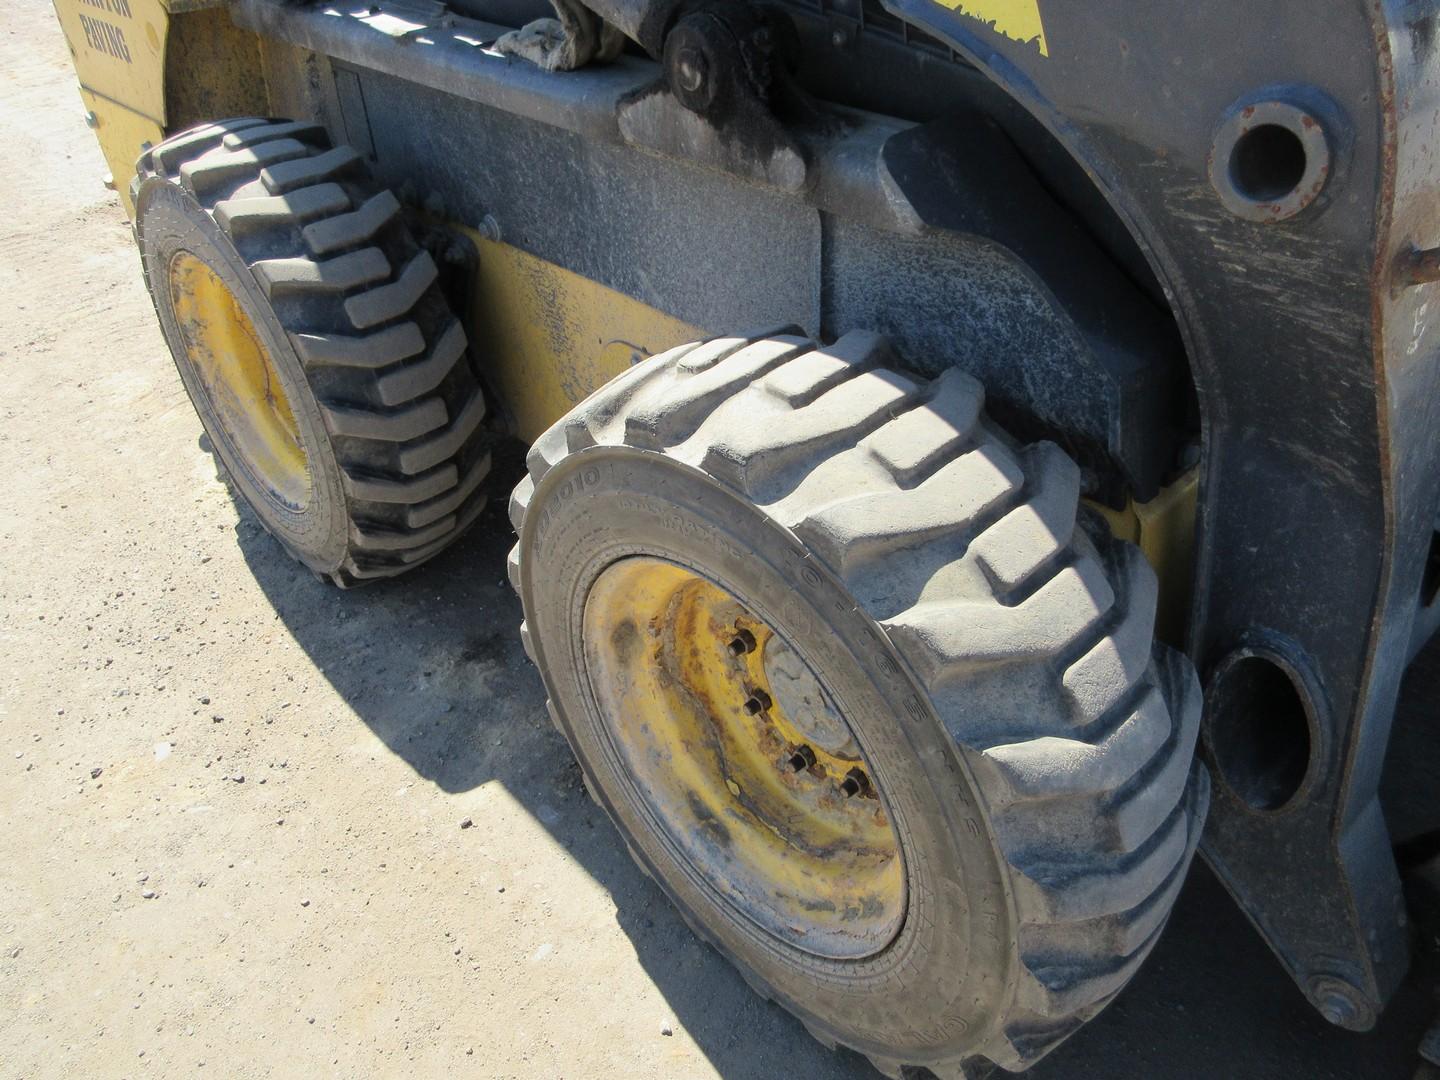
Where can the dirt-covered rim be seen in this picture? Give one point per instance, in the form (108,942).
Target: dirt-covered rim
(739,756)
(241,381)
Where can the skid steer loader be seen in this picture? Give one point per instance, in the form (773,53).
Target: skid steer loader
(960,432)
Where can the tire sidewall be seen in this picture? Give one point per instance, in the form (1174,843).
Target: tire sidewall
(947,976)
(169,221)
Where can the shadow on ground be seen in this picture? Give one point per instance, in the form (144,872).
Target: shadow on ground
(432,663)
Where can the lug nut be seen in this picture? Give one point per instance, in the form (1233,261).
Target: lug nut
(758,702)
(743,642)
(855,783)
(802,759)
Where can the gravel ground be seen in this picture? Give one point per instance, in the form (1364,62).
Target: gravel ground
(235,799)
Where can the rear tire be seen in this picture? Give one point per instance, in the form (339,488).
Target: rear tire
(1032,745)
(386,409)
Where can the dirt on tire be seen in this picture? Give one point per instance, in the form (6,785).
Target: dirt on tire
(349,307)
(1027,633)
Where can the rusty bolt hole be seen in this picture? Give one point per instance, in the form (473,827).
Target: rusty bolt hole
(743,642)
(1269,160)
(856,783)
(758,702)
(1267,163)
(802,759)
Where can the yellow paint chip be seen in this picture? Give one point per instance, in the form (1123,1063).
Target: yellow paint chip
(1016,19)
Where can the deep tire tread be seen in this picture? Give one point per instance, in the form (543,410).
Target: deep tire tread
(360,301)
(968,552)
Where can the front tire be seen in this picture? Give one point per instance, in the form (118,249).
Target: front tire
(985,669)
(313,338)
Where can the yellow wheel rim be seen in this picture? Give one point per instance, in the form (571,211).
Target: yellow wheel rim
(742,759)
(240,380)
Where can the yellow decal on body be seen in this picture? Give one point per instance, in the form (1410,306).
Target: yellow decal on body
(1017,19)
(119,51)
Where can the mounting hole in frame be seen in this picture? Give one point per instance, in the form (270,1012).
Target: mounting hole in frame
(1259,729)
(1270,160)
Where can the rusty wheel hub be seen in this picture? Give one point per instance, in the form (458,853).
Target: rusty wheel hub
(240,378)
(743,760)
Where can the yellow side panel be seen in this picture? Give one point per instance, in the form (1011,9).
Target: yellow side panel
(1167,531)
(122,134)
(118,47)
(551,338)
(1164,529)
(1016,19)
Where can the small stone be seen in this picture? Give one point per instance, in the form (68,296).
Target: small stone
(311,1020)
(217,718)
(469,1050)
(500,889)
(457,950)
(239,778)
(467,823)
(304,903)
(148,894)
(95,773)
(204,701)
(15,953)
(666,1030)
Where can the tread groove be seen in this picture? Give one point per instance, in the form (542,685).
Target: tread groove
(421,456)
(352,229)
(377,350)
(242,217)
(217,168)
(402,425)
(337,275)
(167,157)
(391,301)
(300,130)
(288,175)
(425,375)
(423,513)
